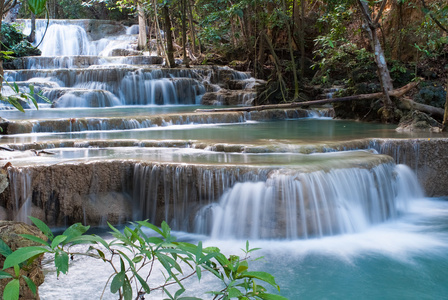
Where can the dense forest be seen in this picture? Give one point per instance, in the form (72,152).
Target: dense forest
(301,48)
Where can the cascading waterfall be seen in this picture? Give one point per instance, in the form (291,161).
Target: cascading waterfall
(68,40)
(176,193)
(306,205)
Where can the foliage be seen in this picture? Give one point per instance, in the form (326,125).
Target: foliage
(18,98)
(37,6)
(133,249)
(434,39)
(15,42)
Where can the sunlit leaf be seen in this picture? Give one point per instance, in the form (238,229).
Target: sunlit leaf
(22,254)
(42,227)
(11,291)
(57,240)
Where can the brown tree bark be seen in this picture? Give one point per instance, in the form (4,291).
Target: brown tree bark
(371,26)
(169,37)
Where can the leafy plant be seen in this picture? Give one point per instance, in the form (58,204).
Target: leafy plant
(19,97)
(133,254)
(15,42)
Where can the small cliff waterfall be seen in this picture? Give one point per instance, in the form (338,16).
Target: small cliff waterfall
(306,205)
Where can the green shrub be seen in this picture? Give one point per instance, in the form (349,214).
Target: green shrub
(133,249)
(15,41)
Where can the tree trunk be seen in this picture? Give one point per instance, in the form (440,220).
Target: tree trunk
(302,38)
(142,37)
(383,72)
(445,115)
(184,33)
(32,37)
(193,31)
(169,38)
(291,52)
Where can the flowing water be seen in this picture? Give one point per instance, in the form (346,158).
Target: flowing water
(333,222)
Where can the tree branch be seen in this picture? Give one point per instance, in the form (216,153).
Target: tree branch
(433,17)
(380,12)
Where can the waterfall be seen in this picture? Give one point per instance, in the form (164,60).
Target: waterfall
(176,193)
(22,194)
(68,40)
(306,205)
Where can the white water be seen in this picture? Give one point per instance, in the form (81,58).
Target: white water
(305,205)
(403,259)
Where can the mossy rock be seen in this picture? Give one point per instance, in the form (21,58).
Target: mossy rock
(10,233)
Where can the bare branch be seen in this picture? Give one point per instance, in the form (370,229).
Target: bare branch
(433,17)
(380,12)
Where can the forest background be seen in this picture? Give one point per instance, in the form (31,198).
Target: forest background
(301,48)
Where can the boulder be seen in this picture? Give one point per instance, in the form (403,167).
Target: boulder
(10,234)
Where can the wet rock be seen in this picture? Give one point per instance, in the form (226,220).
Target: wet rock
(3,181)
(124,52)
(229,97)
(418,121)
(10,234)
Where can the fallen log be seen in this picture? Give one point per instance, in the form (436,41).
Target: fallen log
(408,103)
(395,93)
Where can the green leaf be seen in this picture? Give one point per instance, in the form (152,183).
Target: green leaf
(154,240)
(242,267)
(127,289)
(234,293)
(34,239)
(17,270)
(150,226)
(143,283)
(11,291)
(166,229)
(5,275)
(42,227)
(30,284)
(61,262)
(199,272)
(4,249)
(14,102)
(57,240)
(15,87)
(117,282)
(178,293)
(264,276)
(266,296)
(137,259)
(87,239)
(75,231)
(22,254)
(37,6)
